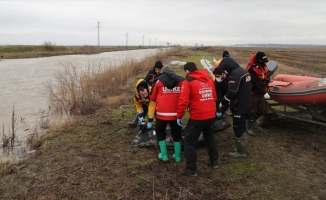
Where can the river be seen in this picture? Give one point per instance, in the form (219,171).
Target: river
(22,87)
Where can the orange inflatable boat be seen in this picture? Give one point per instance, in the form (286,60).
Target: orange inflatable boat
(292,89)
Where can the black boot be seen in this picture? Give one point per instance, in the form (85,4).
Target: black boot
(251,127)
(241,147)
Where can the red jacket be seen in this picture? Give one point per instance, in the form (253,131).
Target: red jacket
(258,73)
(199,92)
(166,100)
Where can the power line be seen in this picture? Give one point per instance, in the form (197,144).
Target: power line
(98,33)
(127,39)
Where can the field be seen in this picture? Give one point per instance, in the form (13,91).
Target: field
(48,49)
(89,157)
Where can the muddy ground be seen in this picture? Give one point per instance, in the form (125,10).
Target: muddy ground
(90,158)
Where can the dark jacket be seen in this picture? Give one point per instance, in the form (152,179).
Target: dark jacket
(221,89)
(151,76)
(239,90)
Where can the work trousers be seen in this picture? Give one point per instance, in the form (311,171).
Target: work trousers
(160,127)
(239,125)
(259,106)
(192,133)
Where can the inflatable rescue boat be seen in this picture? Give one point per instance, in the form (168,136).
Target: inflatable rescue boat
(304,90)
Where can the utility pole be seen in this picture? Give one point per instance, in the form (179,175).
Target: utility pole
(155,41)
(127,39)
(98,34)
(143,39)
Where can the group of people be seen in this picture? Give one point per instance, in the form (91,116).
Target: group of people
(167,96)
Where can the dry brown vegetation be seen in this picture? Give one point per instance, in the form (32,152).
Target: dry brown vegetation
(51,49)
(89,157)
(80,92)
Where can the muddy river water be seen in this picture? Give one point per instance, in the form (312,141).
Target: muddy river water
(22,87)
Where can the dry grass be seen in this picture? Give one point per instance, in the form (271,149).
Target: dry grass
(89,158)
(80,92)
(89,49)
(298,61)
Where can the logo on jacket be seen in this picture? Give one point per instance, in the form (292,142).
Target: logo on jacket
(206,94)
(203,84)
(174,90)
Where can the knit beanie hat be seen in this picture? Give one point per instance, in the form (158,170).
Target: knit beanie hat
(158,64)
(225,54)
(261,56)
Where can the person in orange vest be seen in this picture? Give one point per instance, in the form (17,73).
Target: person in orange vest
(225,54)
(258,71)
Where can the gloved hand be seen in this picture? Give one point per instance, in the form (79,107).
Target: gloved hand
(140,119)
(149,125)
(179,122)
(218,115)
(266,96)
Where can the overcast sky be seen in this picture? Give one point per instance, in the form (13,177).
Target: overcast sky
(184,22)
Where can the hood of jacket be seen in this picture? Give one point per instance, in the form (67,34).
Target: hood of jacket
(142,82)
(170,79)
(252,59)
(228,65)
(201,75)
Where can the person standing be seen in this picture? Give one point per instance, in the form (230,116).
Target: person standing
(197,92)
(165,94)
(225,54)
(154,73)
(238,97)
(259,84)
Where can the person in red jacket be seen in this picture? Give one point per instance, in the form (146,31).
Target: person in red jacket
(197,92)
(165,93)
(259,82)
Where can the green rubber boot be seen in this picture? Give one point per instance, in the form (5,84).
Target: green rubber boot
(164,154)
(177,151)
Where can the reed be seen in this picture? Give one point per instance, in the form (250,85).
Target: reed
(74,91)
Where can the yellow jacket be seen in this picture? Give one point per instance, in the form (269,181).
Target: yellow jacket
(139,102)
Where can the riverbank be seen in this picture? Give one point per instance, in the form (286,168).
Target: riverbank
(46,50)
(89,157)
